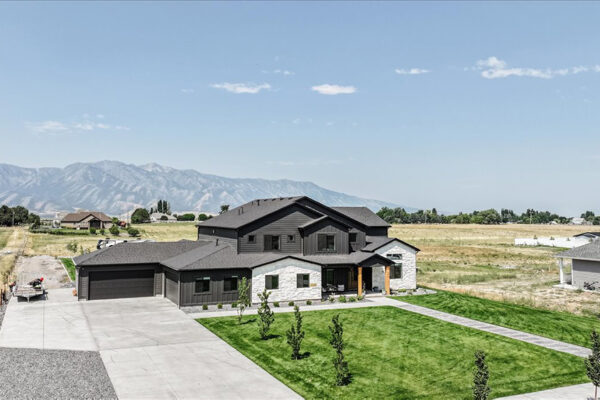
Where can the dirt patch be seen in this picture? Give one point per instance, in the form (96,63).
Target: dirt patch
(51,269)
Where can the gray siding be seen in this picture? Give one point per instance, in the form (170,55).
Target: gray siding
(216,294)
(585,271)
(361,240)
(324,227)
(282,223)
(172,286)
(380,231)
(225,235)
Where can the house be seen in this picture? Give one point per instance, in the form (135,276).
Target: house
(86,220)
(295,247)
(161,217)
(588,235)
(585,269)
(579,221)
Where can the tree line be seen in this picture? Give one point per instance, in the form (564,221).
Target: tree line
(19,215)
(142,215)
(486,217)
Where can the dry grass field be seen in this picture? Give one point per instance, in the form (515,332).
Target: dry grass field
(482,260)
(12,242)
(476,259)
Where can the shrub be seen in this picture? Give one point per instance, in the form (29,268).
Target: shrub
(102,231)
(291,304)
(72,246)
(308,302)
(204,306)
(114,230)
(352,299)
(342,299)
(234,304)
(275,304)
(361,297)
(481,390)
(332,299)
(133,232)
(92,231)
(219,306)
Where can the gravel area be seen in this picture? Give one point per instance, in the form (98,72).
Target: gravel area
(55,276)
(53,374)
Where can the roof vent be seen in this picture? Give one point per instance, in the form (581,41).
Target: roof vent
(216,242)
(258,202)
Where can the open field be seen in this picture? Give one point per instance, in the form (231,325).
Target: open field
(12,241)
(394,353)
(482,260)
(562,326)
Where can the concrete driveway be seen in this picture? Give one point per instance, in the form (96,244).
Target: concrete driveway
(150,349)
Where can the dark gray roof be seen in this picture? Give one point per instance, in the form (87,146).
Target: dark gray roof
(249,212)
(137,253)
(323,218)
(589,251)
(363,215)
(375,242)
(597,234)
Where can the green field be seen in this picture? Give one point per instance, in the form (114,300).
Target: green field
(393,353)
(557,325)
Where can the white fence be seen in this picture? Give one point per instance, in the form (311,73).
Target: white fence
(568,242)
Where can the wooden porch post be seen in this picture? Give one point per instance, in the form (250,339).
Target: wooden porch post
(387,280)
(359,280)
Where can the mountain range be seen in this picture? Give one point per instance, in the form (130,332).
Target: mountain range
(116,188)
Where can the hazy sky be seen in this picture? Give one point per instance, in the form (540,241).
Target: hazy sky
(450,105)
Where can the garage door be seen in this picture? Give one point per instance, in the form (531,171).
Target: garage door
(120,284)
(172,286)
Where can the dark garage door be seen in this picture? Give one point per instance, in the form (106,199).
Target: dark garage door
(119,284)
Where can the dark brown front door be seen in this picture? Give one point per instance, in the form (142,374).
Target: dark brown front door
(121,284)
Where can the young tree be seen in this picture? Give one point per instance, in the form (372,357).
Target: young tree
(265,315)
(592,364)
(243,298)
(342,374)
(295,334)
(224,208)
(481,390)
(139,216)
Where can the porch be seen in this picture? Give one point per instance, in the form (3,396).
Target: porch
(354,280)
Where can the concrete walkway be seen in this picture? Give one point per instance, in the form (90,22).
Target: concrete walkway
(584,391)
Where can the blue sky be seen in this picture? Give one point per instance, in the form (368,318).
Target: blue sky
(458,106)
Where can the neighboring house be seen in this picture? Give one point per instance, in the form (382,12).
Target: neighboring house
(295,247)
(585,265)
(579,221)
(86,220)
(160,217)
(589,235)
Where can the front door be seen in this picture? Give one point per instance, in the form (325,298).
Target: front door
(353,278)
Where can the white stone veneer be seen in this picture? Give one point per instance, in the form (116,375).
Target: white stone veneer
(287,269)
(409,267)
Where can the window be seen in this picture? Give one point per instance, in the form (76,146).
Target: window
(291,238)
(325,242)
(272,243)
(302,280)
(396,271)
(329,276)
(251,239)
(395,256)
(271,282)
(230,284)
(202,285)
(353,237)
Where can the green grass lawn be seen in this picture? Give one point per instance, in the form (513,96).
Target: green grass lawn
(557,325)
(394,353)
(70,267)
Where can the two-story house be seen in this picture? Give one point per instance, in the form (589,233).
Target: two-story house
(295,247)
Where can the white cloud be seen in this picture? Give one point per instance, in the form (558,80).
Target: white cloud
(284,72)
(47,127)
(333,89)
(494,68)
(239,88)
(412,71)
(187,90)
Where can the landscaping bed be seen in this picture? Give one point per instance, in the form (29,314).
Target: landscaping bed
(393,353)
(556,325)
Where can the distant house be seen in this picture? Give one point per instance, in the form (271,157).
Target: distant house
(86,220)
(589,235)
(585,266)
(579,221)
(161,217)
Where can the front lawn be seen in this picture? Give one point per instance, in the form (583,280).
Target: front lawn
(69,266)
(393,353)
(557,325)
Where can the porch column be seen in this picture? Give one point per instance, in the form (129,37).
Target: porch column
(560,270)
(359,280)
(387,280)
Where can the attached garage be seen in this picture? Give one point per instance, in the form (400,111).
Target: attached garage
(172,286)
(121,284)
